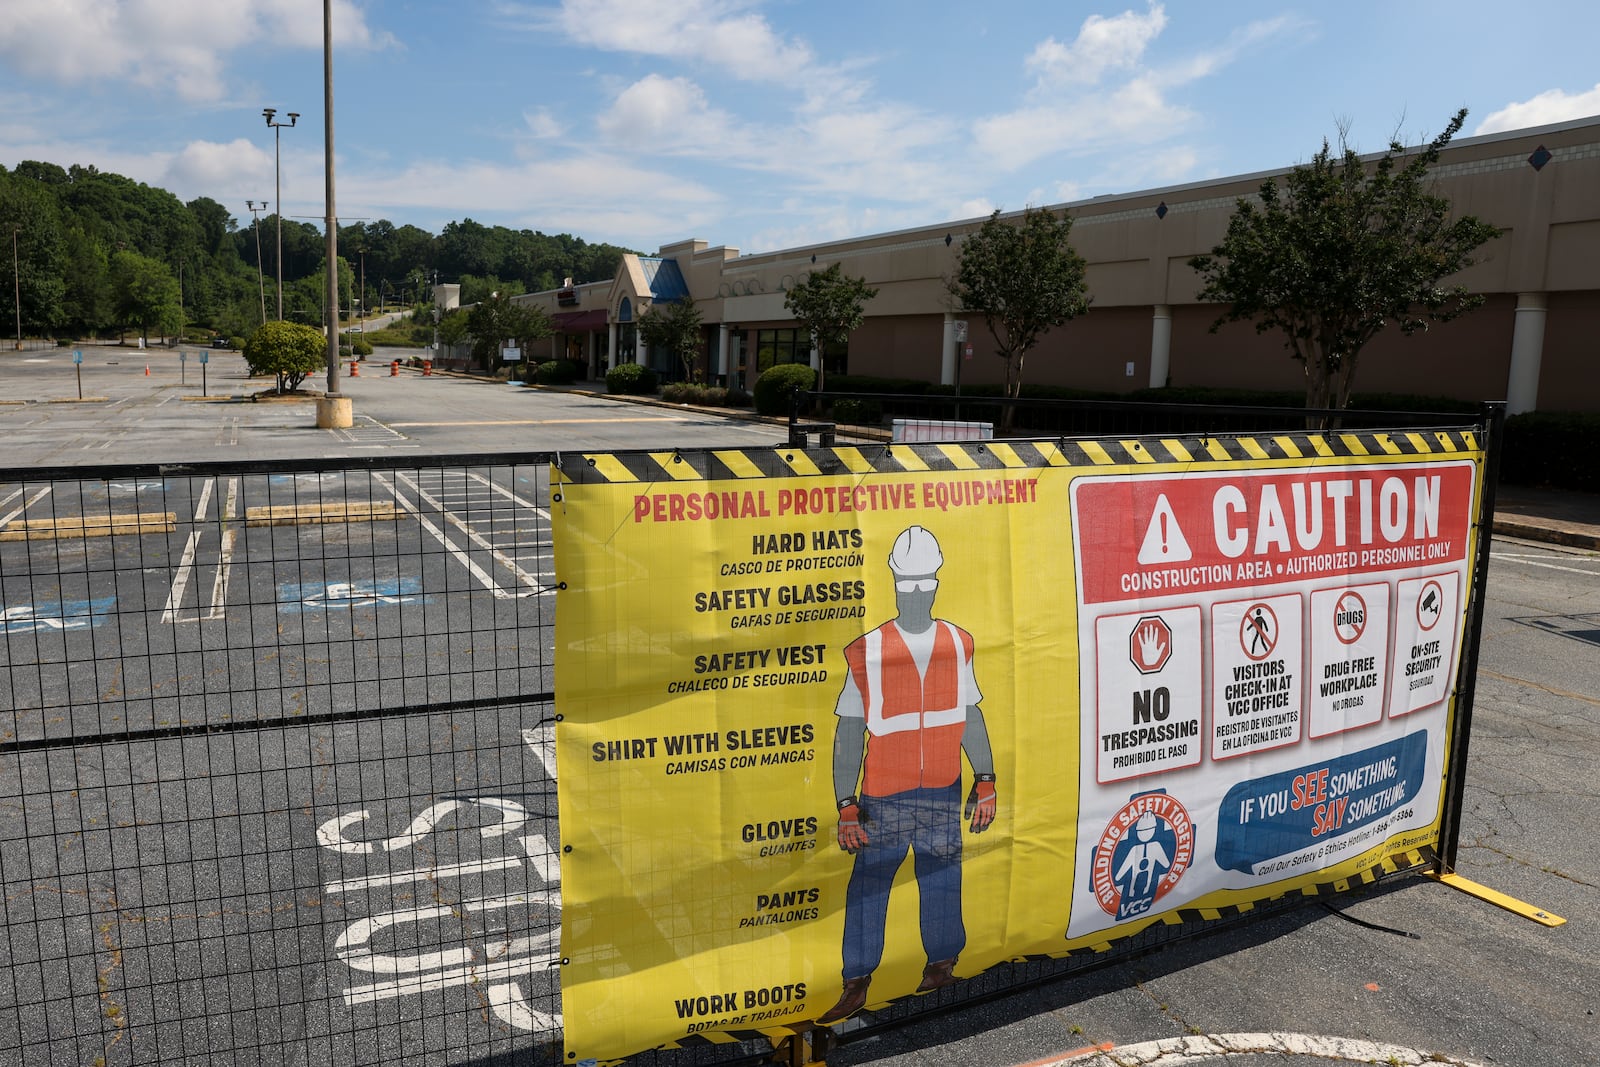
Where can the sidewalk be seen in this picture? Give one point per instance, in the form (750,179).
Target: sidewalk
(1554,516)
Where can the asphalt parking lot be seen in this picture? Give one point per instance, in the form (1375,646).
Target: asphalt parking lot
(324,881)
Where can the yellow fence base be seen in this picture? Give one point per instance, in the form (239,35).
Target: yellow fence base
(1499,899)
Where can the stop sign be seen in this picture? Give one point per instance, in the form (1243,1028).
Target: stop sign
(1150,644)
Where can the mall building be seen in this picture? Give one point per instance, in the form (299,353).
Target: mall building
(1535,342)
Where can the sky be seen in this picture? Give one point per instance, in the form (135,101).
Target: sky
(756,124)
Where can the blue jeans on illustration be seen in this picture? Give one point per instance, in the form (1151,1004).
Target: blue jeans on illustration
(928,822)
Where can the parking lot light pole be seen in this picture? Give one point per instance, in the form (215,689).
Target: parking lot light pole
(261,280)
(333,409)
(16,280)
(277,184)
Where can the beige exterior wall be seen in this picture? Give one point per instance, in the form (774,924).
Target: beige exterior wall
(1548,255)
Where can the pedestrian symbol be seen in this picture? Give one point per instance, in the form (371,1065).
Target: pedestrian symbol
(1163,540)
(1258,631)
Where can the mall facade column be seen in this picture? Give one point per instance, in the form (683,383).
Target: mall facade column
(1527,351)
(1160,346)
(947,354)
(611,344)
(719,358)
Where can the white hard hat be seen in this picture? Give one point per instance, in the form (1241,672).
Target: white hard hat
(916,551)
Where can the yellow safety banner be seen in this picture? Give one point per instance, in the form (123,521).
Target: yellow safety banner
(843,726)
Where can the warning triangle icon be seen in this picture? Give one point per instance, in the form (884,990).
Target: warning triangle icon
(1164,541)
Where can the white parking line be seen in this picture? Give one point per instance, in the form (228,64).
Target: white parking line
(1534,561)
(26,504)
(534,586)
(450,546)
(180,577)
(1214,1050)
(219,584)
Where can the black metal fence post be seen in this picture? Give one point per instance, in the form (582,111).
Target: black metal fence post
(1493,423)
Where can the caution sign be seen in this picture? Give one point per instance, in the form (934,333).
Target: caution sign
(844,725)
(1322,600)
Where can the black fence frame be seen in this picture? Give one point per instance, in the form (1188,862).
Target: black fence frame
(77,749)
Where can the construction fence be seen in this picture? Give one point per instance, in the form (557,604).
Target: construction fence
(279,760)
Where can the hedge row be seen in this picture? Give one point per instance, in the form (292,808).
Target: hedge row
(1552,448)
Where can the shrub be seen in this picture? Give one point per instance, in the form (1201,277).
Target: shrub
(558,372)
(344,352)
(738,397)
(361,346)
(631,379)
(861,383)
(857,412)
(776,383)
(289,350)
(1552,448)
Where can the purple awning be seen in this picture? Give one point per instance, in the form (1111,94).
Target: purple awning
(580,321)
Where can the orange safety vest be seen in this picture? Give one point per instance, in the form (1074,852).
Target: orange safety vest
(915,723)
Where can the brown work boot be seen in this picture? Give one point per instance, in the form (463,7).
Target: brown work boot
(937,975)
(850,1001)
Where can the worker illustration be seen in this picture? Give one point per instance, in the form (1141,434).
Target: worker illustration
(908,709)
(1144,864)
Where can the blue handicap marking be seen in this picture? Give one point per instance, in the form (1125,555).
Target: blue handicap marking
(342,596)
(61,615)
(135,487)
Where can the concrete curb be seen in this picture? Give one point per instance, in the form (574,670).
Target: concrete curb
(1553,533)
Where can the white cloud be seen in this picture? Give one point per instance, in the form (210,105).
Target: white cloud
(172,46)
(1102,45)
(719,34)
(1136,112)
(1553,105)
(668,115)
(1099,94)
(209,165)
(543,125)
(602,197)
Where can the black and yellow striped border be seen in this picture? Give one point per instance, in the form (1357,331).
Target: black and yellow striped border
(1395,863)
(1078,453)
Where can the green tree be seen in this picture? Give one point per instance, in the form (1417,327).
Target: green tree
(1340,251)
(452,328)
(144,294)
(829,305)
(30,225)
(675,326)
(497,319)
(1025,279)
(290,350)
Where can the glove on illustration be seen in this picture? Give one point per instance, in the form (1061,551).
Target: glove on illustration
(852,826)
(982,803)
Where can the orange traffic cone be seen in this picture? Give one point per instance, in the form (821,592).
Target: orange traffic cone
(147,370)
